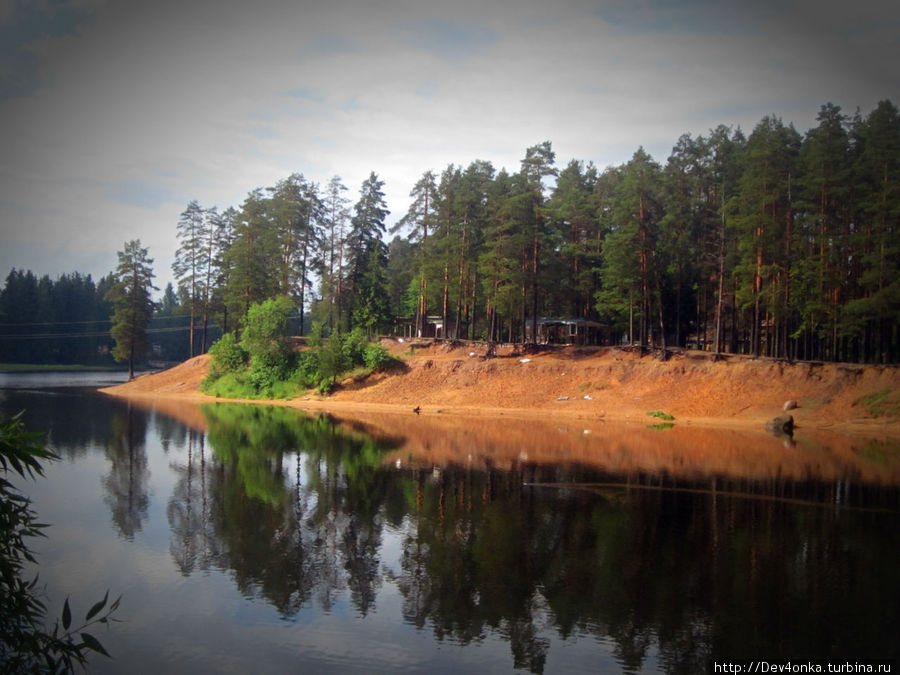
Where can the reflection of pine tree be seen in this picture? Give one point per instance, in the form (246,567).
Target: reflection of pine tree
(285,539)
(193,544)
(414,583)
(126,484)
(362,541)
(529,650)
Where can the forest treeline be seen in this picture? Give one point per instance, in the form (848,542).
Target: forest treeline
(67,320)
(777,243)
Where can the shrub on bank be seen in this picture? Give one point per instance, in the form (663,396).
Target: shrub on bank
(263,365)
(377,357)
(228,356)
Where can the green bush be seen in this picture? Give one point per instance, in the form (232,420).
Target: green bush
(333,358)
(315,336)
(265,365)
(266,328)
(230,385)
(306,370)
(354,347)
(266,370)
(376,357)
(227,356)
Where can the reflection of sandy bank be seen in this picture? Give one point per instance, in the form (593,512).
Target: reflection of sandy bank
(186,412)
(682,451)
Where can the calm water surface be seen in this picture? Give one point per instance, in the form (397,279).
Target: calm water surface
(254,539)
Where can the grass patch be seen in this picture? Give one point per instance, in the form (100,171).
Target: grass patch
(598,386)
(659,414)
(240,385)
(883,403)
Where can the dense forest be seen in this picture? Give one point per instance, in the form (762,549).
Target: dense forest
(68,321)
(777,243)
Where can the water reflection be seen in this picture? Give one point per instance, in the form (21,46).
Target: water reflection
(74,420)
(292,505)
(298,507)
(193,545)
(126,484)
(663,548)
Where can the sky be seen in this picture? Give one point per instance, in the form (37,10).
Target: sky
(115,114)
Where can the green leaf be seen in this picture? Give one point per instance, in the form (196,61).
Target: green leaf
(96,608)
(93,644)
(66,615)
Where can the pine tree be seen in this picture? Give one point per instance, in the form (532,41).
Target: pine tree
(537,165)
(223,236)
(497,262)
(188,263)
(420,219)
(366,254)
(298,213)
(133,306)
(335,215)
(371,309)
(876,313)
(472,197)
(686,187)
(572,209)
(765,222)
(818,270)
(630,271)
(252,260)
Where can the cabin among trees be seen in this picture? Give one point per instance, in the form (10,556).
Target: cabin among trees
(570,331)
(431,327)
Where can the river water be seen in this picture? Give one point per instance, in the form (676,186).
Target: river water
(257,539)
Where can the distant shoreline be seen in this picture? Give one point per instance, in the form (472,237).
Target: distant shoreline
(57,368)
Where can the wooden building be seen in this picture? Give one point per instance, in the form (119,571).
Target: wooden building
(566,332)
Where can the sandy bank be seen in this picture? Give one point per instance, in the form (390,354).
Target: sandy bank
(588,384)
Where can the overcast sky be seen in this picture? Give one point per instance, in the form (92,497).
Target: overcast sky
(116,113)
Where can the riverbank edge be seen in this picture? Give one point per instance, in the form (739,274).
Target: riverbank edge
(181,383)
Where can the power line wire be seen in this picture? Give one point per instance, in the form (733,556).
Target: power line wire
(43,336)
(4,324)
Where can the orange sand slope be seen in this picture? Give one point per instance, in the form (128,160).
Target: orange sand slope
(600,383)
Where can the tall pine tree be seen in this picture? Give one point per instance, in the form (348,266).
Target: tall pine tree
(132,304)
(367,256)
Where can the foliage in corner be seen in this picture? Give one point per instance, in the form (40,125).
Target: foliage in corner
(25,644)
